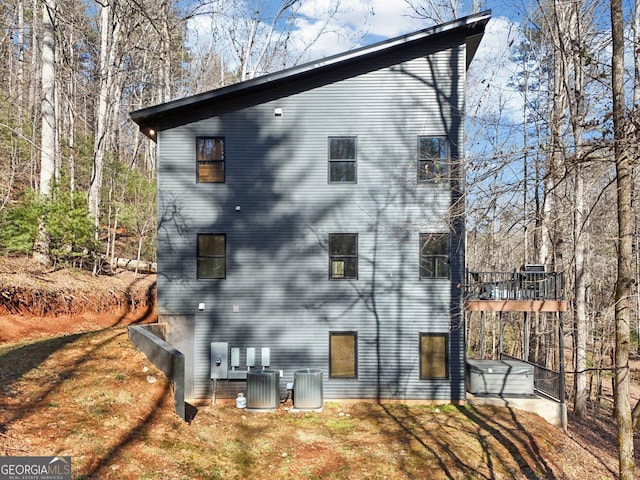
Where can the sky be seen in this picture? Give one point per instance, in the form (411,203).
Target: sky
(490,71)
(327,27)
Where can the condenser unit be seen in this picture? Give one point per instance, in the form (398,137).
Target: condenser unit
(263,389)
(307,389)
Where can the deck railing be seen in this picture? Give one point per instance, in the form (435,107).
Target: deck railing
(545,381)
(520,285)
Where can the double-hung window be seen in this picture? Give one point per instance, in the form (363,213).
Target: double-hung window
(343,255)
(210,159)
(434,255)
(433,159)
(434,358)
(342,159)
(212,255)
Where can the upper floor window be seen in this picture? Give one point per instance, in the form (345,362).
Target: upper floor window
(343,256)
(210,159)
(212,255)
(342,159)
(433,159)
(434,255)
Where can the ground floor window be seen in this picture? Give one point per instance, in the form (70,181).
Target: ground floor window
(343,354)
(434,359)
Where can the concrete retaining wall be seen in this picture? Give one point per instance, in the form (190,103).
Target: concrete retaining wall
(146,339)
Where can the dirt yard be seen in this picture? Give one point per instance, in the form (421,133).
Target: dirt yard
(72,384)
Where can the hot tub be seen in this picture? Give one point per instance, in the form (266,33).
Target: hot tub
(499,377)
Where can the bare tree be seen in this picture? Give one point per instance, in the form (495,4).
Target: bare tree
(573,35)
(257,36)
(624,281)
(49,121)
(438,11)
(109,40)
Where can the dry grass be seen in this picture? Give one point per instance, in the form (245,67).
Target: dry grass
(92,396)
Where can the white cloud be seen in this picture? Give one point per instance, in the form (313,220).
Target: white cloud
(391,19)
(489,89)
(327,27)
(337,26)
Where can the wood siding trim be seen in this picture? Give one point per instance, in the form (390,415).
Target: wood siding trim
(516,306)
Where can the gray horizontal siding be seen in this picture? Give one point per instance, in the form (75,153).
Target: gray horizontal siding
(277,271)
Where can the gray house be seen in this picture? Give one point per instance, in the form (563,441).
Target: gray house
(312,219)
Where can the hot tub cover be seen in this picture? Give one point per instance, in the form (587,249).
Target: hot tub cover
(510,367)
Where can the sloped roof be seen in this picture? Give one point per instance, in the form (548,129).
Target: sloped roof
(470,27)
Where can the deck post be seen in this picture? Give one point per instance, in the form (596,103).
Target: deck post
(525,347)
(482,341)
(561,383)
(501,330)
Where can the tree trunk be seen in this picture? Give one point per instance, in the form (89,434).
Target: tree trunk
(48,110)
(48,126)
(624,281)
(555,155)
(580,292)
(131,265)
(166,52)
(20,45)
(575,35)
(635,47)
(109,33)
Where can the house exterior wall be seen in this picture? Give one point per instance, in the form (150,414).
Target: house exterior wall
(277,292)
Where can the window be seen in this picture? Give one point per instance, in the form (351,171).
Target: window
(210,159)
(434,255)
(343,355)
(342,159)
(343,255)
(212,255)
(434,360)
(433,159)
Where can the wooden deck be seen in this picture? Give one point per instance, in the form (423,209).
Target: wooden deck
(521,291)
(516,305)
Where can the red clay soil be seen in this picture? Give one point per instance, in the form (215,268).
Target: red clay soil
(39,302)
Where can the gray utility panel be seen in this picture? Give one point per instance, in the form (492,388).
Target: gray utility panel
(219,360)
(499,377)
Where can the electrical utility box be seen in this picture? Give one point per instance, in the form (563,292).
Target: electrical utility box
(219,360)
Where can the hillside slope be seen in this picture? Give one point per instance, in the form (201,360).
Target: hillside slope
(37,301)
(72,384)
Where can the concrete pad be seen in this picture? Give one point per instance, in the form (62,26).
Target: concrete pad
(553,412)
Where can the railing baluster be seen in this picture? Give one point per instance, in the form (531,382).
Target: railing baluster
(521,285)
